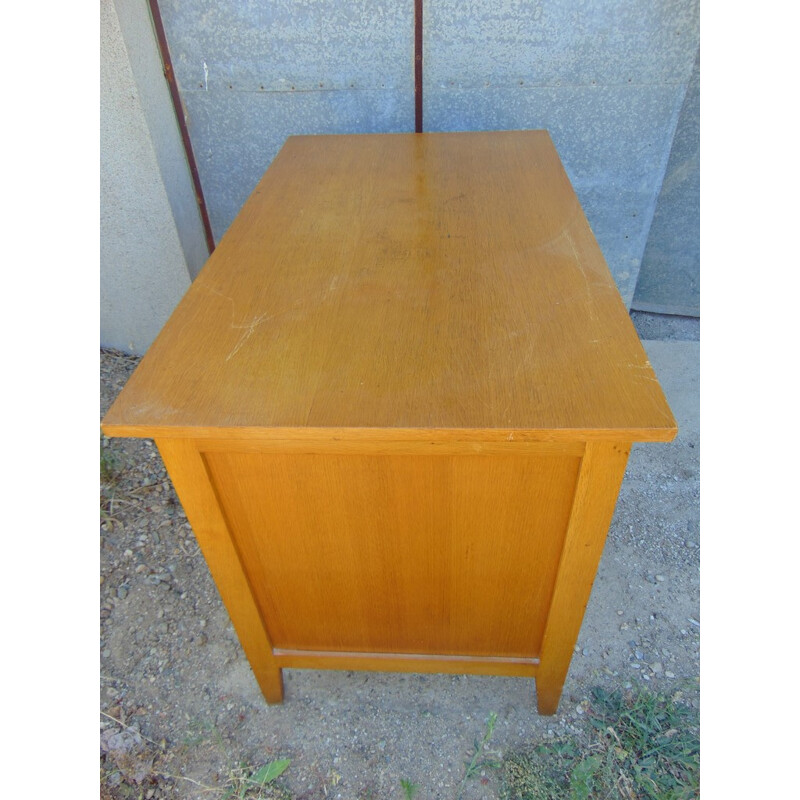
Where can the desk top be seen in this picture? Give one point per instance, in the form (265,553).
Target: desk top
(438,284)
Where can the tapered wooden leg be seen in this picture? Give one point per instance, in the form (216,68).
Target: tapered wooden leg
(271,684)
(599,481)
(548,692)
(190,478)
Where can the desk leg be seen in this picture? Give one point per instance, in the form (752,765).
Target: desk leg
(599,481)
(190,478)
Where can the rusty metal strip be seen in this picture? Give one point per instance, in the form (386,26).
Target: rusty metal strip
(418,66)
(169,74)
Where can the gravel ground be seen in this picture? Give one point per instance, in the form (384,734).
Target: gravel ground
(180,709)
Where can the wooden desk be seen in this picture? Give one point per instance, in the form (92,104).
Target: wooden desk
(397,404)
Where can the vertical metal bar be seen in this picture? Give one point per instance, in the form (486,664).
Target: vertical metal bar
(169,74)
(418,66)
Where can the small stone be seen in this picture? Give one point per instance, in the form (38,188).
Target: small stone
(660,578)
(657,667)
(669,674)
(650,578)
(620,613)
(122,592)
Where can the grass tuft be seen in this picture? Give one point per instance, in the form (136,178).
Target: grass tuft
(644,746)
(478,763)
(247,784)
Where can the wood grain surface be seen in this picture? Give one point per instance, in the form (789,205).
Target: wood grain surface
(192,483)
(400,285)
(432,555)
(599,481)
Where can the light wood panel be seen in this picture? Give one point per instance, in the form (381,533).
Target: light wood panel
(602,470)
(402,282)
(191,482)
(404,662)
(436,555)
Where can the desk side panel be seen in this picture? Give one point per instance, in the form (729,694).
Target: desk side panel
(436,555)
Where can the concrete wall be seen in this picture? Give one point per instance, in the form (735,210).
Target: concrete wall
(669,280)
(151,237)
(606,77)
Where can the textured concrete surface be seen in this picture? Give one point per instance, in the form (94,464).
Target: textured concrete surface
(668,327)
(236,135)
(610,139)
(143,271)
(251,75)
(607,79)
(153,92)
(669,279)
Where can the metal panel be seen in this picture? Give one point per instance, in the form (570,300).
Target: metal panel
(607,79)
(250,74)
(237,134)
(611,140)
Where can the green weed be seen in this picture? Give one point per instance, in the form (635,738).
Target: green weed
(245,784)
(409,788)
(110,463)
(645,746)
(478,763)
